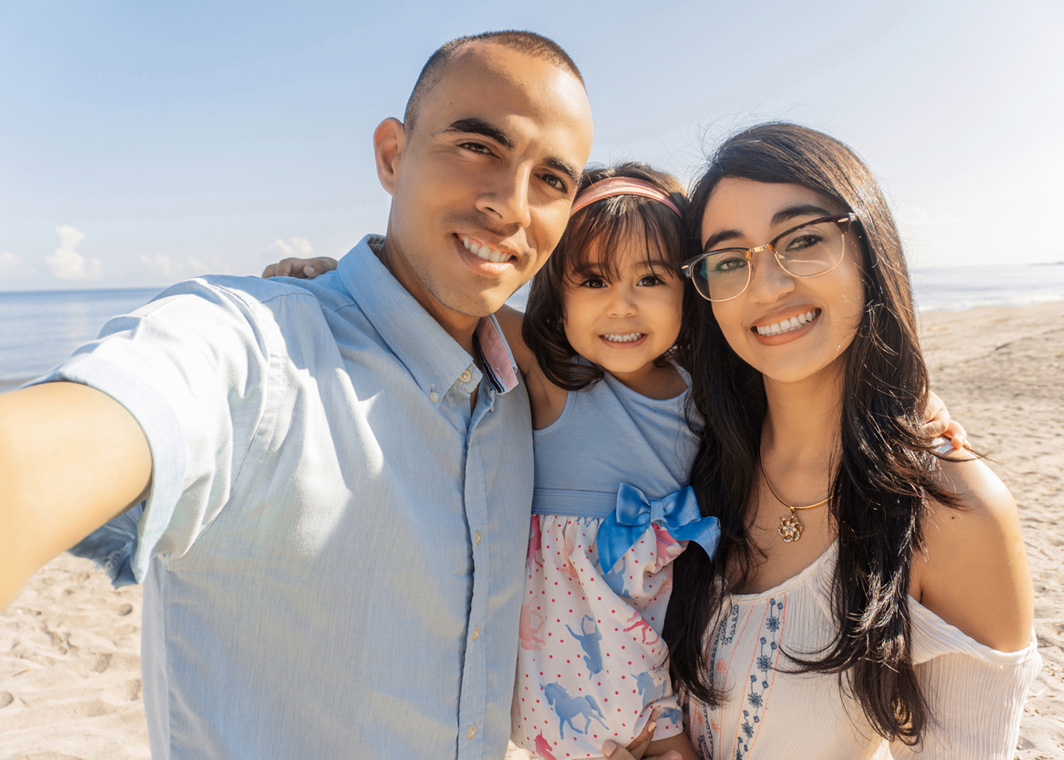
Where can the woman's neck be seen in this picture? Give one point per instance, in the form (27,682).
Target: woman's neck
(802,420)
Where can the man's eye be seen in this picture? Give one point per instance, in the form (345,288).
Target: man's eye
(556,182)
(475,147)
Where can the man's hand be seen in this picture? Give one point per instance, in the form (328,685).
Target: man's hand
(937,422)
(303,269)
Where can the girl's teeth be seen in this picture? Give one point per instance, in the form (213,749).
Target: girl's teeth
(787,325)
(623,338)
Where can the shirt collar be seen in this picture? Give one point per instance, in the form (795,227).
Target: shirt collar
(431,355)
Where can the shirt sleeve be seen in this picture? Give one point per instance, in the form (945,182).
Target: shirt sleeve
(192,367)
(975,694)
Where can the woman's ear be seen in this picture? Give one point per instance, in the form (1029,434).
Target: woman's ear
(389,139)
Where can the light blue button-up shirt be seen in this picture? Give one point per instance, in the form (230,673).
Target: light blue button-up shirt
(333,547)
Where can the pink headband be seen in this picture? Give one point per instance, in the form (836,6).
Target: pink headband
(607,188)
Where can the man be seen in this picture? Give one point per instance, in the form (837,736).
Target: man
(335,476)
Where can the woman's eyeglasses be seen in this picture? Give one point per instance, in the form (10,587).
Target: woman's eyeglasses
(808,250)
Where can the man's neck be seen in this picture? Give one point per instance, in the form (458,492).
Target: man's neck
(460,327)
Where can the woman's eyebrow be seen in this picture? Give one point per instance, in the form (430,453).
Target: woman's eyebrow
(783,215)
(793,212)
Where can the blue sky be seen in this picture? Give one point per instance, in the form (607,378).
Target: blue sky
(146,142)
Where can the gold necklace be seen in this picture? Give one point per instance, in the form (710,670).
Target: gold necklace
(790,527)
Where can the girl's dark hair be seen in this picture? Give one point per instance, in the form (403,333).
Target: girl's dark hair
(603,227)
(885,466)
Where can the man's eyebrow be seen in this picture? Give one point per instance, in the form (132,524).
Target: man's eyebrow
(783,215)
(480,127)
(477,126)
(564,167)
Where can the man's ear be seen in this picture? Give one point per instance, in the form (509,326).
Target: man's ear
(389,139)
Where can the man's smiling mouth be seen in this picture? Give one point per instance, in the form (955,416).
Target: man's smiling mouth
(484,251)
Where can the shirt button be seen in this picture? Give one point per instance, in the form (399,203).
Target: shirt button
(434,397)
(476,538)
(471,732)
(476,633)
(466,376)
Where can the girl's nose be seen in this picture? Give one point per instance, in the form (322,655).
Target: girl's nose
(623,302)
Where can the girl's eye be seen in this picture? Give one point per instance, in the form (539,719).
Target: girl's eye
(593,282)
(651,280)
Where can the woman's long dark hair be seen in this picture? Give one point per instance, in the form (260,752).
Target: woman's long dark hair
(885,469)
(604,226)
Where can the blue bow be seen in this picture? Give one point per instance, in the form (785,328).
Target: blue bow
(678,512)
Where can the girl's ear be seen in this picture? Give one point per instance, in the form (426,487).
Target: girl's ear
(389,139)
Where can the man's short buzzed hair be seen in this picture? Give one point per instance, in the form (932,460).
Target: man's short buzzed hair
(529,43)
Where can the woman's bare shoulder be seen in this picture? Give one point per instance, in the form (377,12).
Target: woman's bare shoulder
(973,570)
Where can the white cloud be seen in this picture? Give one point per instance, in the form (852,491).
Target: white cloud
(10,265)
(174,271)
(293,246)
(66,263)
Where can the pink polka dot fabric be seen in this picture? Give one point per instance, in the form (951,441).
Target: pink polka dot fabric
(592,663)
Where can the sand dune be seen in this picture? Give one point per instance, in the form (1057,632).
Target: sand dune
(69,644)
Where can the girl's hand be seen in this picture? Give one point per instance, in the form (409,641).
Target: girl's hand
(937,422)
(303,269)
(614,752)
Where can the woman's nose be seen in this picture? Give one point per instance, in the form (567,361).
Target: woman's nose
(768,280)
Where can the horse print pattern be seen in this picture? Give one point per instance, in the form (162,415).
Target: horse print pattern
(592,664)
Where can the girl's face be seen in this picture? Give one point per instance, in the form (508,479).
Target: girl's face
(624,324)
(827,309)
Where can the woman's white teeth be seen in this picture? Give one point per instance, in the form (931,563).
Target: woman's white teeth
(788,324)
(623,338)
(483,252)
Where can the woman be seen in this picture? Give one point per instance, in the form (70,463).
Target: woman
(870,593)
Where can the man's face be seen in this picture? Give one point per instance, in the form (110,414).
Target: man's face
(482,183)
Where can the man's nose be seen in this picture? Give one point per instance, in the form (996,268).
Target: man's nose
(508,199)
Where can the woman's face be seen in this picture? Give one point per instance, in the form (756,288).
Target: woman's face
(758,324)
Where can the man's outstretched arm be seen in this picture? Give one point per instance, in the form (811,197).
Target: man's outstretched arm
(71,458)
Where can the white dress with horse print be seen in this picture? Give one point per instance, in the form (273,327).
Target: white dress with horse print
(610,476)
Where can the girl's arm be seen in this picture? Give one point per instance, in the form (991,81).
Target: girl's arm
(548,400)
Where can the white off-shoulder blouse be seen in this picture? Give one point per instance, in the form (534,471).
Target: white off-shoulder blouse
(975,693)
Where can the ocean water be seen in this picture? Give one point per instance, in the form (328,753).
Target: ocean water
(38,330)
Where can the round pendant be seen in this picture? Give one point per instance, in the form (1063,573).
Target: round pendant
(790,528)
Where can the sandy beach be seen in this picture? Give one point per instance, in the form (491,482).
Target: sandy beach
(70,685)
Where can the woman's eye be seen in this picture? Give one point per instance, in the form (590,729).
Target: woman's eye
(726,262)
(804,242)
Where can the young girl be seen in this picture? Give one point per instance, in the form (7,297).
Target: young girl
(870,591)
(604,364)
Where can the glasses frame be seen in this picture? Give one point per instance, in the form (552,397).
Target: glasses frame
(688,267)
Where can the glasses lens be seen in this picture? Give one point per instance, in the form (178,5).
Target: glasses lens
(811,249)
(722,275)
